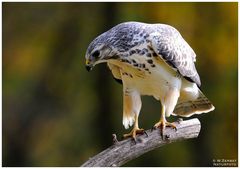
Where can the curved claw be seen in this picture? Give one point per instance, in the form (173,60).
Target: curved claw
(135,140)
(162,124)
(145,133)
(153,128)
(134,133)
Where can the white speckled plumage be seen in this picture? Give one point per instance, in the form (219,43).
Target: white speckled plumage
(151,59)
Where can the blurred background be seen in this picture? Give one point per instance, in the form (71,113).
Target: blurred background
(55,113)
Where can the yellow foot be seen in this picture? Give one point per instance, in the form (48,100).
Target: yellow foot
(134,132)
(162,124)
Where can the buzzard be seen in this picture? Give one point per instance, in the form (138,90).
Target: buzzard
(154,60)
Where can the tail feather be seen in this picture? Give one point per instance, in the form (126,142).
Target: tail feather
(198,106)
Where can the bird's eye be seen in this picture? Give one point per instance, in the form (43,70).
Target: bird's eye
(96,53)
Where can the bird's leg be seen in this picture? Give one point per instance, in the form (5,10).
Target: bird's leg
(136,130)
(163,122)
(131,109)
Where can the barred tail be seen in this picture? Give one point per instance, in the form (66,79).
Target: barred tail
(198,106)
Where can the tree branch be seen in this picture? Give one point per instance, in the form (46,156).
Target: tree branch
(126,150)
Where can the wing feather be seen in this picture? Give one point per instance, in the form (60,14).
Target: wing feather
(175,51)
(116,72)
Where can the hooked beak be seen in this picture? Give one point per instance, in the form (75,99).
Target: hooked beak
(88,65)
(89,68)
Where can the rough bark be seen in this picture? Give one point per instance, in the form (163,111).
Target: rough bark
(123,151)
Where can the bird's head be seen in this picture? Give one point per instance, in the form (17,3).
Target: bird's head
(98,52)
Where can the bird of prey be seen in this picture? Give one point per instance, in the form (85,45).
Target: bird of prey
(154,60)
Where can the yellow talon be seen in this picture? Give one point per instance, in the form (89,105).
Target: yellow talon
(162,124)
(133,133)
